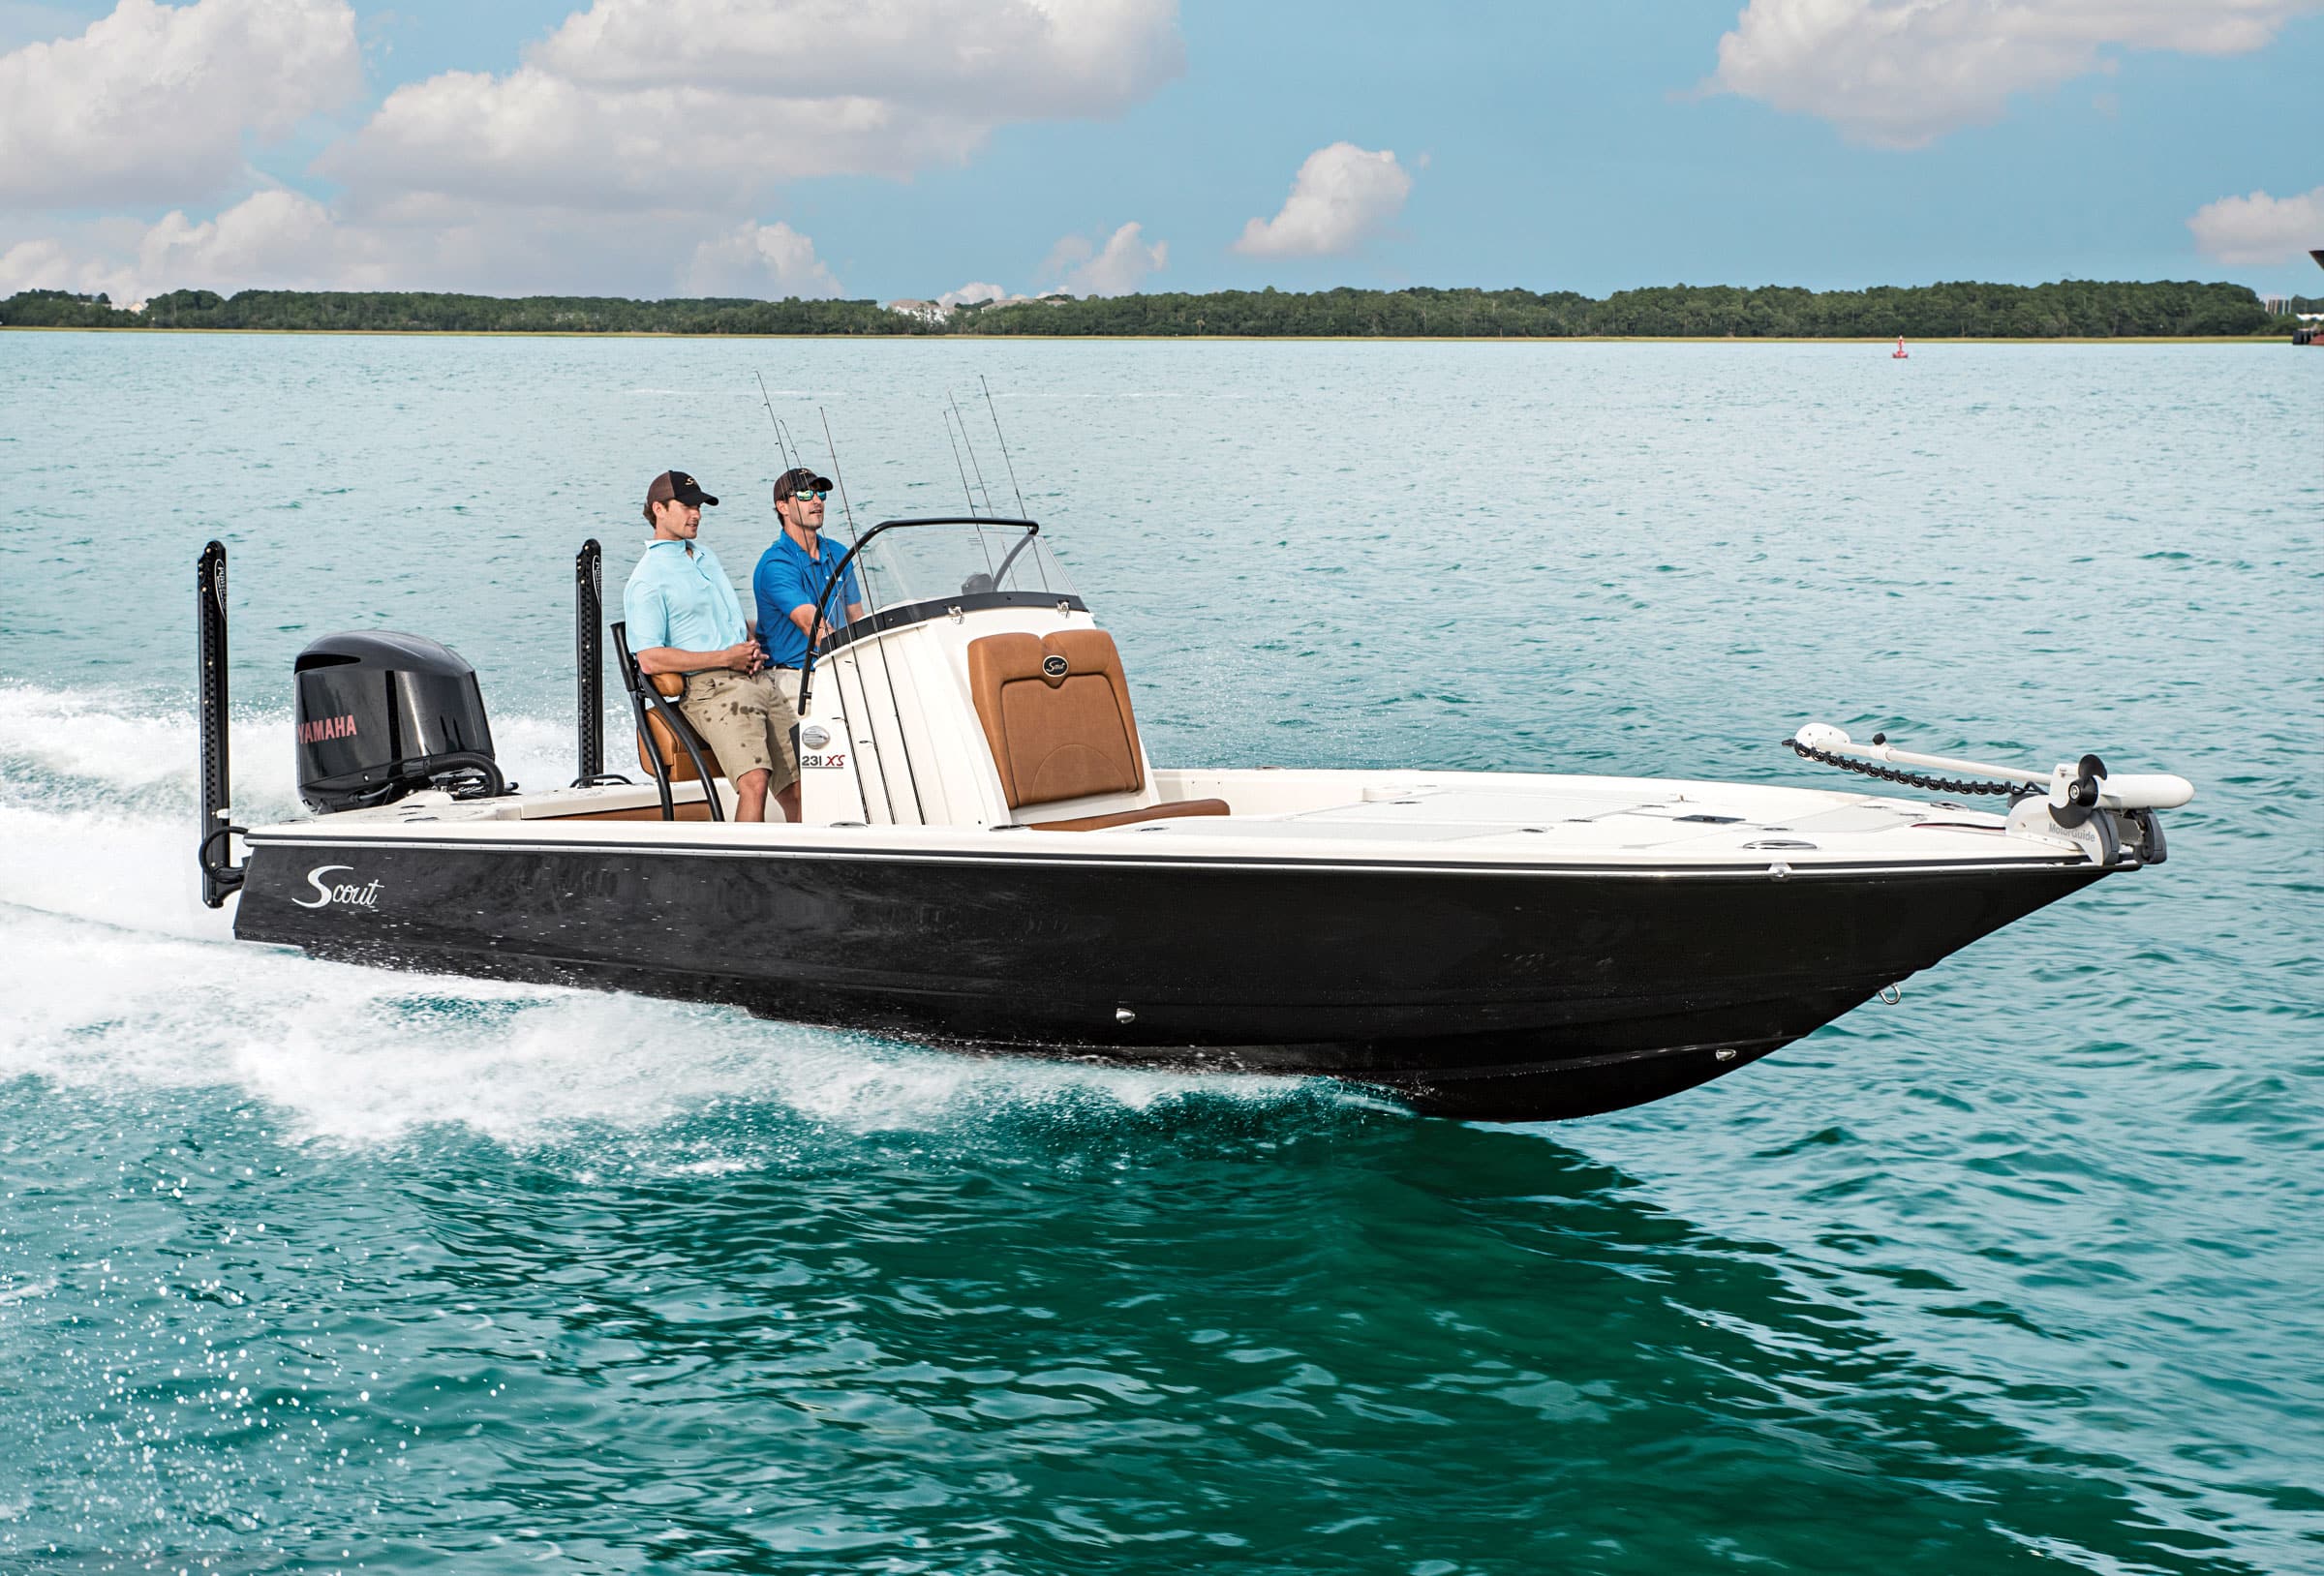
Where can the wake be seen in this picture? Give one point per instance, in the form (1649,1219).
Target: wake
(121,981)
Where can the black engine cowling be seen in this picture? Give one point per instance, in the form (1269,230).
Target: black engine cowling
(380,714)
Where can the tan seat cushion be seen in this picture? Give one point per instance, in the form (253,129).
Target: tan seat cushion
(676,763)
(1055,710)
(1171,811)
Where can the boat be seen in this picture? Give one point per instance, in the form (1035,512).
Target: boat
(988,859)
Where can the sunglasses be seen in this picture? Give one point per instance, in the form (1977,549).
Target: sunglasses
(819,495)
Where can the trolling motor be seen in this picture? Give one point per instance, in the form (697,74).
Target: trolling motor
(2077,802)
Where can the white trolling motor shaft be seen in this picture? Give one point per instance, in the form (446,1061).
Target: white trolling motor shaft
(2142,790)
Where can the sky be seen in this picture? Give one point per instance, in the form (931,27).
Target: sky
(973,148)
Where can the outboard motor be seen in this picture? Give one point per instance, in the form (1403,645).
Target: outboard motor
(382,714)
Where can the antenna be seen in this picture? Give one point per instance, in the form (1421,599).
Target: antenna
(1004,444)
(956,460)
(971,447)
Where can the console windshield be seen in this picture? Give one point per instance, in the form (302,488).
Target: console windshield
(941,563)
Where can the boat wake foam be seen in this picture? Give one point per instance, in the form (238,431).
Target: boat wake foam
(123,982)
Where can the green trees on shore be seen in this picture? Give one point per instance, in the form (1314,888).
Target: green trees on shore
(418,312)
(2068,308)
(2073,308)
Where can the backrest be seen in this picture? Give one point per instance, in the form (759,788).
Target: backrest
(1057,712)
(676,764)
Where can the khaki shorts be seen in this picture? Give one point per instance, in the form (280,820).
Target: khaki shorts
(746,720)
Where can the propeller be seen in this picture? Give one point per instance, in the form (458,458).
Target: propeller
(2080,794)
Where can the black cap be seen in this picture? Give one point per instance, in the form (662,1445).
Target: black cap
(678,485)
(791,481)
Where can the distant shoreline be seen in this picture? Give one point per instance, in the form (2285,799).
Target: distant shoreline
(1181,338)
(2066,311)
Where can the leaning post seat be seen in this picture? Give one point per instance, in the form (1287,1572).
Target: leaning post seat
(1057,712)
(675,757)
(667,745)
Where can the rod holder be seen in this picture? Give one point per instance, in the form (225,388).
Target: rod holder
(213,849)
(589,662)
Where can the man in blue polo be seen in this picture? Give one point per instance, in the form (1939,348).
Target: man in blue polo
(684,619)
(793,574)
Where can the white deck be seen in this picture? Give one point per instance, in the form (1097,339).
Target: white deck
(1328,816)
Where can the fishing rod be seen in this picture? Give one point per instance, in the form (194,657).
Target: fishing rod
(837,475)
(781,452)
(975,463)
(994,413)
(1009,557)
(837,577)
(956,460)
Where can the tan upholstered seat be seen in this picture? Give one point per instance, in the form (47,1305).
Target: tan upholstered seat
(675,762)
(1057,712)
(1170,810)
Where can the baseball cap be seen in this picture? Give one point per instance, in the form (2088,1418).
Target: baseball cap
(678,485)
(798,476)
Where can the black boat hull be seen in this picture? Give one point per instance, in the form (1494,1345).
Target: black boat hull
(1511,993)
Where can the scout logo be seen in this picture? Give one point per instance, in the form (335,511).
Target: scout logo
(351,895)
(1054,665)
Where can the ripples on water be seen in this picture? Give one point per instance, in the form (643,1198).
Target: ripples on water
(315,1267)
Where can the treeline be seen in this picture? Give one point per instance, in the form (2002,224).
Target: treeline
(2072,309)
(423,313)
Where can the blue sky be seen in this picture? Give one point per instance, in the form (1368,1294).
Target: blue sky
(685,146)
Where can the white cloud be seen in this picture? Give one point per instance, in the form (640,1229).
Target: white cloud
(976,290)
(1900,74)
(760,261)
(275,239)
(1082,267)
(2259,230)
(624,154)
(980,60)
(152,104)
(44,264)
(707,104)
(286,240)
(1341,196)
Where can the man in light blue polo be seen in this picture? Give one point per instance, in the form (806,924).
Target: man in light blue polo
(794,573)
(684,619)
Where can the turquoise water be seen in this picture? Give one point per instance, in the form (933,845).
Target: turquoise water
(307,1267)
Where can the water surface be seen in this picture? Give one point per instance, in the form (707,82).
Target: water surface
(311,1267)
